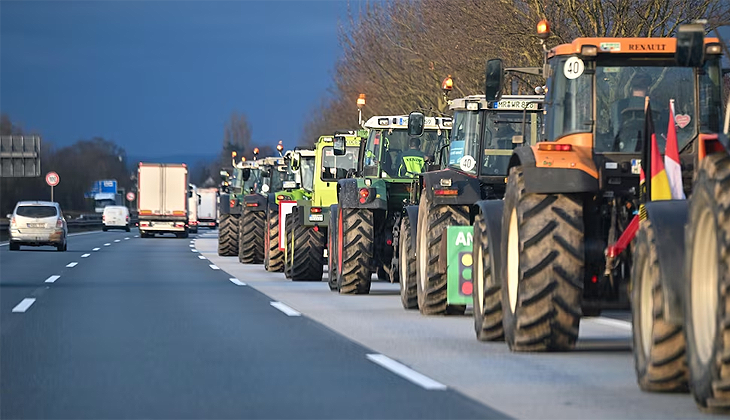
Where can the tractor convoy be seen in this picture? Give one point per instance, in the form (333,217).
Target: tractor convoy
(605,190)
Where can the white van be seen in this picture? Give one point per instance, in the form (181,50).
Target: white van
(115,217)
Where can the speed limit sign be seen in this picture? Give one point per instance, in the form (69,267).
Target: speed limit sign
(130,196)
(52,179)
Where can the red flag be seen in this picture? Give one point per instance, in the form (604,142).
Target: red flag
(671,158)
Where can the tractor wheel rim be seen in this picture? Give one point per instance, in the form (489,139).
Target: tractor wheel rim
(403,261)
(704,285)
(423,257)
(479,280)
(646,299)
(513,260)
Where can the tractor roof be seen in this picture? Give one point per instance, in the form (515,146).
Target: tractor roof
(506,103)
(622,46)
(401,121)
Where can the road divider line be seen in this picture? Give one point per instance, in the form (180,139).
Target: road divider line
(191,245)
(85,255)
(214,267)
(201,257)
(127,238)
(117,240)
(407,373)
(286,309)
(96,249)
(107,244)
(52,279)
(24,305)
(194,250)
(72,264)
(624,325)
(237,282)
(136,236)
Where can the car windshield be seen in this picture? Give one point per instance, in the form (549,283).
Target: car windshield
(395,145)
(307,172)
(336,167)
(36,211)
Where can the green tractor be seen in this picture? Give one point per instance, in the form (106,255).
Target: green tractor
(307,225)
(389,162)
(243,178)
(436,236)
(298,186)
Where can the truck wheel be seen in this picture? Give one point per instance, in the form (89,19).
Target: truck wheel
(273,256)
(307,262)
(544,261)
(659,347)
(332,249)
(433,219)
(407,263)
(707,310)
(487,295)
(354,250)
(228,236)
(290,220)
(251,228)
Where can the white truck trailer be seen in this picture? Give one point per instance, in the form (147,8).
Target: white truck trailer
(193,202)
(162,202)
(208,207)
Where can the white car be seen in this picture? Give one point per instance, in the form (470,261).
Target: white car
(37,223)
(115,217)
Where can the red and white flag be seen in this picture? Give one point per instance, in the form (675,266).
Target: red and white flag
(671,158)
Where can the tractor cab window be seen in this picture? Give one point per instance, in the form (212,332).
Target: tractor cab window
(336,167)
(711,103)
(464,146)
(621,93)
(254,181)
(570,99)
(307,172)
(399,155)
(278,176)
(499,131)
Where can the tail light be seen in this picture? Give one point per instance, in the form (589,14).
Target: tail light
(554,147)
(103,218)
(315,210)
(445,191)
(252,204)
(59,223)
(364,194)
(233,203)
(126,218)
(12,221)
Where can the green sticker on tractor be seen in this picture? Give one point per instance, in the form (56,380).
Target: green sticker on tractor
(459,266)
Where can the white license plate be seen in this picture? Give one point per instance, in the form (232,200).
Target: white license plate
(36,225)
(316,217)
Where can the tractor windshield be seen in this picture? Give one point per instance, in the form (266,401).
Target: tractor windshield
(399,155)
(336,167)
(307,172)
(279,174)
(253,183)
(499,131)
(464,147)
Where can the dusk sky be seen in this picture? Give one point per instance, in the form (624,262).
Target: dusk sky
(162,78)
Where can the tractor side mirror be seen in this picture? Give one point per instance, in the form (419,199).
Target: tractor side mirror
(690,45)
(339,145)
(494,80)
(416,121)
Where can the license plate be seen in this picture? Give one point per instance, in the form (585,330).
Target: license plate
(316,217)
(36,225)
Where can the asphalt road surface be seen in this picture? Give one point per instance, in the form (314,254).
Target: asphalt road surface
(123,327)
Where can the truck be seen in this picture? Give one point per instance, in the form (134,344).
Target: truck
(208,207)
(193,201)
(162,199)
(104,193)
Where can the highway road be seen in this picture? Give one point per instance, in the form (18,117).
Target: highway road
(164,328)
(123,327)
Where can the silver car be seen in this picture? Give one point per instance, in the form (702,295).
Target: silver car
(37,223)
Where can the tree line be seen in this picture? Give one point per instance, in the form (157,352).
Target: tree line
(398,52)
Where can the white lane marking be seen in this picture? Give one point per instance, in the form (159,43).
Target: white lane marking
(4,244)
(191,245)
(201,257)
(107,244)
(192,241)
(136,236)
(214,267)
(405,372)
(117,240)
(52,279)
(73,264)
(237,282)
(287,310)
(85,255)
(96,249)
(24,305)
(194,250)
(126,239)
(624,325)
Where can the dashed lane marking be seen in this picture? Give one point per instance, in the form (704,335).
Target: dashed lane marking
(107,244)
(201,257)
(72,264)
(214,267)
(237,282)
(286,309)
(24,305)
(117,240)
(96,249)
(407,373)
(85,256)
(52,279)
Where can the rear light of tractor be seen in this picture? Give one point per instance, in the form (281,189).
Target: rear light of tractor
(315,210)
(445,191)
(233,203)
(554,147)
(252,204)
(364,194)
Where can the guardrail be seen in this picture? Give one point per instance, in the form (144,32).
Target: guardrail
(86,223)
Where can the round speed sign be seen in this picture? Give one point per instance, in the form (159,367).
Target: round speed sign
(52,179)
(130,196)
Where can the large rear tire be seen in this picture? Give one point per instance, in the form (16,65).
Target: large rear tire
(228,236)
(273,256)
(355,233)
(544,263)
(486,294)
(407,266)
(251,228)
(433,219)
(659,347)
(707,310)
(307,251)
(332,249)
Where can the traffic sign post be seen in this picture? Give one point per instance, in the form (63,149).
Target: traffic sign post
(52,179)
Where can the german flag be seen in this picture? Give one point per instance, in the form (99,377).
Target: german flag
(658,186)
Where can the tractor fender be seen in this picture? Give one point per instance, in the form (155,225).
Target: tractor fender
(411,212)
(547,180)
(492,211)
(273,206)
(668,219)
(348,194)
(257,199)
(224,205)
(468,186)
